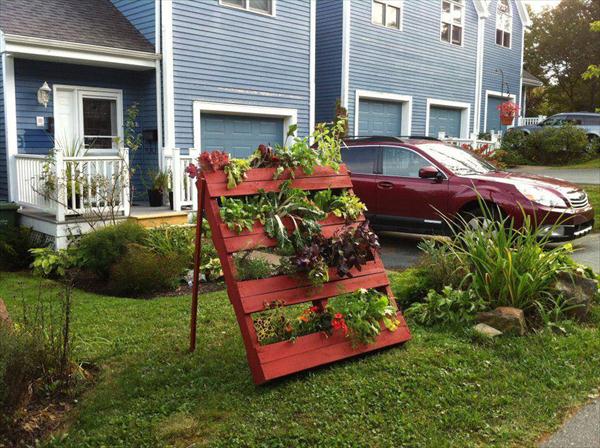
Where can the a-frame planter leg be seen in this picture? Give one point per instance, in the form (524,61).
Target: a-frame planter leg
(197,258)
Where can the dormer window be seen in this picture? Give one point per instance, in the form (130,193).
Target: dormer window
(258,6)
(387,13)
(503,23)
(453,17)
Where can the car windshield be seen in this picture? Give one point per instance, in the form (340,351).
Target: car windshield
(457,160)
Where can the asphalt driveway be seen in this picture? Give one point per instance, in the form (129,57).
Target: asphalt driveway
(577,176)
(400,251)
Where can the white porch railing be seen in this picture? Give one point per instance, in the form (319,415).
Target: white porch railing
(530,121)
(474,142)
(72,186)
(183,188)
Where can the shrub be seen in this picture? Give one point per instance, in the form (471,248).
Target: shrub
(141,271)
(411,285)
(451,307)
(100,249)
(168,240)
(15,244)
(513,148)
(557,146)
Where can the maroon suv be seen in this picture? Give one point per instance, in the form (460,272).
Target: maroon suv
(408,184)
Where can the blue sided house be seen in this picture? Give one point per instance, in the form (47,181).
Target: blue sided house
(419,67)
(228,75)
(203,75)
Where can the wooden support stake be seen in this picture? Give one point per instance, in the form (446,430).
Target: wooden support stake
(197,258)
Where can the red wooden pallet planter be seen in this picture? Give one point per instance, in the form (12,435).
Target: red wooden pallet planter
(272,361)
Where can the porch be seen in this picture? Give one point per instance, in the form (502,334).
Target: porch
(62,196)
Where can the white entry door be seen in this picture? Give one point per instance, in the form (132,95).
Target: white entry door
(87,118)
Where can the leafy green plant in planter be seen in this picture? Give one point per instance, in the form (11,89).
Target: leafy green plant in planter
(238,214)
(343,205)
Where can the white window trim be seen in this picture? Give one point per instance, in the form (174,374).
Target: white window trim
(396,4)
(247,8)
(92,92)
(498,22)
(290,116)
(465,118)
(494,94)
(406,100)
(462,23)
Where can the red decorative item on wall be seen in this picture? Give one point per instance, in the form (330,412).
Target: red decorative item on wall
(508,112)
(275,360)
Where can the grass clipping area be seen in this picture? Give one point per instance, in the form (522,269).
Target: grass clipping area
(443,388)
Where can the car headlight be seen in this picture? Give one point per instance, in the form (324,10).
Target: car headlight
(541,196)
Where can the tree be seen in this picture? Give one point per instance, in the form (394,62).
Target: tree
(559,49)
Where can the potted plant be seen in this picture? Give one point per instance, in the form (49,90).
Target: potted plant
(508,112)
(158,183)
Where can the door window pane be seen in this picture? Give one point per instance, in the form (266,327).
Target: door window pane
(99,122)
(360,160)
(457,35)
(402,162)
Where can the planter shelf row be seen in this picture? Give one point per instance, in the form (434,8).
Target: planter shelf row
(275,360)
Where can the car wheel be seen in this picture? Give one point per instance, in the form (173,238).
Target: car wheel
(594,141)
(476,219)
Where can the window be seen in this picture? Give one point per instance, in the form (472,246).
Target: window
(387,13)
(360,160)
(260,6)
(503,23)
(402,162)
(99,122)
(453,15)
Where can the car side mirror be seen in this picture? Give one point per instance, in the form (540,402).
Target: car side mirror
(430,172)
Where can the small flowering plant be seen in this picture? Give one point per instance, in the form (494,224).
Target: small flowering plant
(508,112)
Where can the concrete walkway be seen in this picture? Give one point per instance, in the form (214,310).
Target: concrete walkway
(577,176)
(580,431)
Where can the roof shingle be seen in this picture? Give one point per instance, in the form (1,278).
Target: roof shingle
(93,22)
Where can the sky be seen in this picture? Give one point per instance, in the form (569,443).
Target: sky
(538,5)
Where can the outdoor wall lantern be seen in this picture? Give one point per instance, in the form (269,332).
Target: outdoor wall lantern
(43,94)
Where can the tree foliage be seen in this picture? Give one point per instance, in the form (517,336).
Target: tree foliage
(560,48)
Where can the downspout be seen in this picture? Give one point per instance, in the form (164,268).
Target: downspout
(346,21)
(158,73)
(479,72)
(167,74)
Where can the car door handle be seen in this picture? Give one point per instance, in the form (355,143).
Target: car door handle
(385,185)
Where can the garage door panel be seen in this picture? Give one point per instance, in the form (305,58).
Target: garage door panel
(239,135)
(493,114)
(380,118)
(445,119)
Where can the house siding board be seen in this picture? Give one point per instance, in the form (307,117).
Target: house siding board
(413,61)
(225,55)
(509,60)
(30,75)
(3,172)
(141,13)
(328,58)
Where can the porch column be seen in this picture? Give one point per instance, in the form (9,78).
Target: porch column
(10,123)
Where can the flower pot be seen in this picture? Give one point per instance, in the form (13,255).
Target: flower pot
(506,120)
(155,198)
(171,200)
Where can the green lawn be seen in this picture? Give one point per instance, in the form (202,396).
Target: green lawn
(593,163)
(593,192)
(441,389)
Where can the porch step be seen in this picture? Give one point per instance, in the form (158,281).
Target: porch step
(158,216)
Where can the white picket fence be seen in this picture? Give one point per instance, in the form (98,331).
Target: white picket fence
(67,186)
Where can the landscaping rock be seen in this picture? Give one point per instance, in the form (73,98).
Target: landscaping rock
(579,290)
(4,316)
(486,330)
(506,319)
